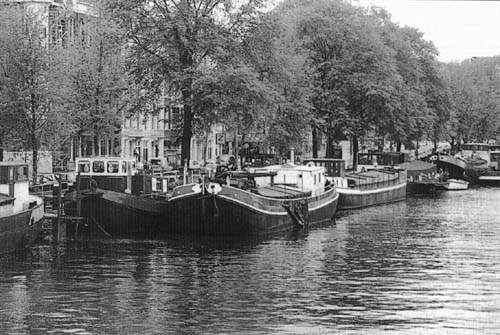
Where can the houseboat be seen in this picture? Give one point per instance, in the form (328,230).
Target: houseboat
(423,178)
(258,201)
(21,214)
(476,156)
(492,175)
(372,185)
(119,199)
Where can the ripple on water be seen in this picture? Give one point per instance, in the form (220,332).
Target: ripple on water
(425,265)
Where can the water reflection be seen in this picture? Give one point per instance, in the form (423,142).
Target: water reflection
(426,265)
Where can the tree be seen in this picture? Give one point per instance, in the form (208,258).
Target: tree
(33,82)
(474,86)
(276,54)
(173,41)
(352,70)
(102,92)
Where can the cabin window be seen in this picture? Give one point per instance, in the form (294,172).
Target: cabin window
(124,167)
(112,167)
(495,156)
(84,166)
(22,173)
(98,167)
(4,174)
(314,179)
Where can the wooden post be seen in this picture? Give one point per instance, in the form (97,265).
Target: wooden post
(59,195)
(61,231)
(236,150)
(185,173)
(78,198)
(129,178)
(61,225)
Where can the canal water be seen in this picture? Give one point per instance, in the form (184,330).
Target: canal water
(428,265)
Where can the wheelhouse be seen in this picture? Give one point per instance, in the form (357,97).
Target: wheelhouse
(105,166)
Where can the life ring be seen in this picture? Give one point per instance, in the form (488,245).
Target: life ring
(310,164)
(214,188)
(363,169)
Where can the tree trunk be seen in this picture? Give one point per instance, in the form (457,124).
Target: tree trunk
(398,146)
(329,146)
(355,150)
(35,156)
(187,133)
(315,142)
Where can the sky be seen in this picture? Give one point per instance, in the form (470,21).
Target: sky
(459,29)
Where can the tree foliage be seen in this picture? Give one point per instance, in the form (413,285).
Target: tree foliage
(369,75)
(474,86)
(102,89)
(32,80)
(173,42)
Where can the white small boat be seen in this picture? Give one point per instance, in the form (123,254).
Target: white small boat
(456,185)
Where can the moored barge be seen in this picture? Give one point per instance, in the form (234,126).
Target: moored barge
(260,201)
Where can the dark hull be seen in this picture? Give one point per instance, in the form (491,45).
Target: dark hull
(237,212)
(122,215)
(491,178)
(355,198)
(18,231)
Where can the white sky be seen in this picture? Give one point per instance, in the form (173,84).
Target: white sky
(458,29)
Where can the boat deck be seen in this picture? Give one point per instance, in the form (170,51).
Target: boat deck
(282,191)
(131,201)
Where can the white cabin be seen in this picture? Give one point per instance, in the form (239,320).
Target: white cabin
(304,177)
(14,187)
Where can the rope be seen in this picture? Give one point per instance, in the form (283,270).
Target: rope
(100,227)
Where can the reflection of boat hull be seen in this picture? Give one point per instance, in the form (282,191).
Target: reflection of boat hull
(423,187)
(233,211)
(20,230)
(456,185)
